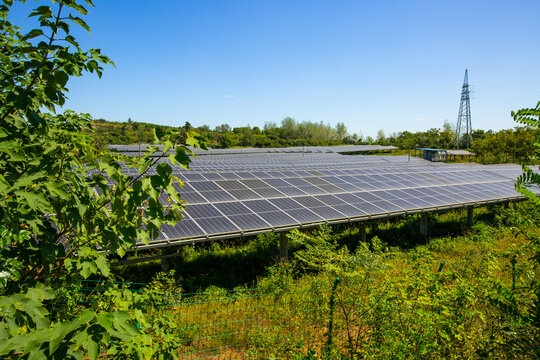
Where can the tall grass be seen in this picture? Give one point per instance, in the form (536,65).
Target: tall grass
(467,292)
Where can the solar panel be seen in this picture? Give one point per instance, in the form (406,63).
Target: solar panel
(244,194)
(278,218)
(304,215)
(249,221)
(214,196)
(235,193)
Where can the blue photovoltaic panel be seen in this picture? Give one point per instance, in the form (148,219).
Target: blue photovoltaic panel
(303,215)
(249,222)
(245,194)
(238,193)
(217,225)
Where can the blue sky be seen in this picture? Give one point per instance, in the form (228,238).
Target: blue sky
(390,65)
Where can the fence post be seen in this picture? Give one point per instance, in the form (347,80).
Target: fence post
(439,281)
(441,266)
(514,261)
(331,322)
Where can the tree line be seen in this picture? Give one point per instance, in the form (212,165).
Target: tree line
(289,133)
(510,145)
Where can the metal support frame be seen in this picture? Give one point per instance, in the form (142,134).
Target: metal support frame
(362,231)
(470,215)
(283,246)
(423,224)
(165,265)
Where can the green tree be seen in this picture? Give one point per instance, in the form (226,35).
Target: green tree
(341,131)
(223,128)
(226,141)
(381,139)
(289,128)
(60,215)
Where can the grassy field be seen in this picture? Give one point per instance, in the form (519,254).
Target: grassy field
(463,293)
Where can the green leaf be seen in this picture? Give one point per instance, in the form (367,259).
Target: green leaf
(36,201)
(103,265)
(41,293)
(181,157)
(33,33)
(9,146)
(164,170)
(37,354)
(93,349)
(43,12)
(88,268)
(105,320)
(70,39)
(27,180)
(61,78)
(57,188)
(77,20)
(60,331)
(167,145)
(80,8)
(4,185)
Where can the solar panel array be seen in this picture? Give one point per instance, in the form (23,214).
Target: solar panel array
(133,150)
(238,195)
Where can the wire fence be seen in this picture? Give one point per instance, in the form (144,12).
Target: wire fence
(258,323)
(326,320)
(236,324)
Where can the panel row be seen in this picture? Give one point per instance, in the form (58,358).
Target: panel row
(222,218)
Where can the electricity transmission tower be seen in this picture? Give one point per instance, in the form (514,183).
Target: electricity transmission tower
(464,127)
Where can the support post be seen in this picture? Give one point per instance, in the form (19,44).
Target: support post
(514,204)
(165,265)
(469,215)
(423,224)
(362,231)
(283,246)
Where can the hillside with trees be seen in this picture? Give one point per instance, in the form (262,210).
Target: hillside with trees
(289,133)
(510,145)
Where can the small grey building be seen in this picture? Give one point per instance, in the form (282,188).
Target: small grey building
(433,154)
